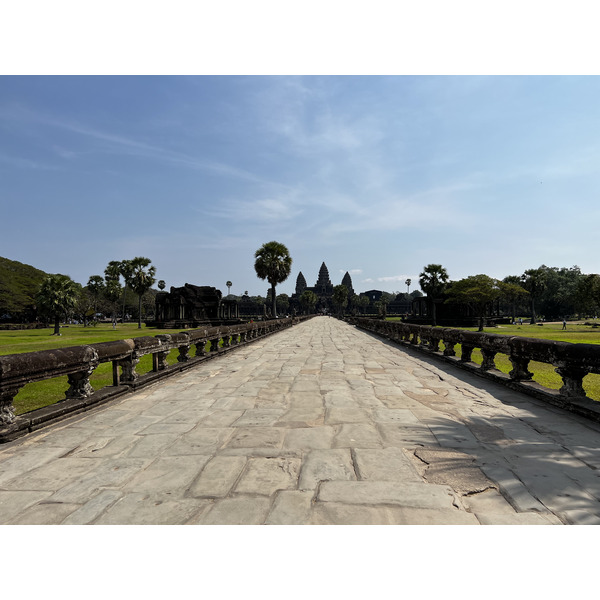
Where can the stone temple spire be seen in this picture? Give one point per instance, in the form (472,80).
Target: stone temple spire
(323,285)
(300,284)
(347,281)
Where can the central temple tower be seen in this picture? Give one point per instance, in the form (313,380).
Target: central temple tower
(323,286)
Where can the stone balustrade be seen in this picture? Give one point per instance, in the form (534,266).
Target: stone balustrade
(571,361)
(79,362)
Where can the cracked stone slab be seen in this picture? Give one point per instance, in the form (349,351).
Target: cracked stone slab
(265,476)
(452,468)
(257,437)
(325,465)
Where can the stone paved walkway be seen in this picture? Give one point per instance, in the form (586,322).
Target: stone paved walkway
(319,424)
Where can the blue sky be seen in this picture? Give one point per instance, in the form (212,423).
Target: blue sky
(375,175)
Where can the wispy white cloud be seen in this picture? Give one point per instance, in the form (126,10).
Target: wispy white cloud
(390,278)
(351,271)
(122,144)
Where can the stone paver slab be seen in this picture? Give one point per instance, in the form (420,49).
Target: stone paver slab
(291,507)
(218,477)
(265,476)
(388,464)
(240,510)
(418,495)
(309,438)
(326,465)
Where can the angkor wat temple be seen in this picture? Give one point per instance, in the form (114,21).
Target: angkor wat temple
(323,289)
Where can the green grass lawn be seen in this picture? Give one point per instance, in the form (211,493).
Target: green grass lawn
(543,373)
(45,393)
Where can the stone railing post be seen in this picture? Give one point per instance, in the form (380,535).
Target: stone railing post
(79,383)
(227,340)
(184,353)
(7,411)
(449,339)
(214,344)
(466,353)
(519,370)
(159,359)
(572,376)
(128,365)
(488,359)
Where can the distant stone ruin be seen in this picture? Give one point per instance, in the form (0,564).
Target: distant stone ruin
(191,306)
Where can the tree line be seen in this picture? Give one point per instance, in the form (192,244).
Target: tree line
(59,295)
(546,292)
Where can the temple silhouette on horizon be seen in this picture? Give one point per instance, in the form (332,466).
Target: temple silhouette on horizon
(323,289)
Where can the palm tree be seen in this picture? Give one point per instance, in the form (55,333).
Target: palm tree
(229,284)
(273,263)
(433,280)
(408,282)
(141,280)
(126,271)
(112,271)
(96,286)
(57,295)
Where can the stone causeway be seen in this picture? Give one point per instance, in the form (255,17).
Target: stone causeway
(318,424)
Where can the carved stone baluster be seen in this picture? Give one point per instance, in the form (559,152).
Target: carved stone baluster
(572,377)
(7,410)
(519,371)
(79,383)
(227,340)
(160,360)
(184,353)
(488,359)
(128,366)
(201,348)
(449,348)
(466,353)
(214,345)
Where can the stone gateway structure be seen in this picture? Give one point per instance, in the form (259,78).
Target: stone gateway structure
(191,306)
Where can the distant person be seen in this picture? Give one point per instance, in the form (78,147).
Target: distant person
(564,323)
(521,321)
